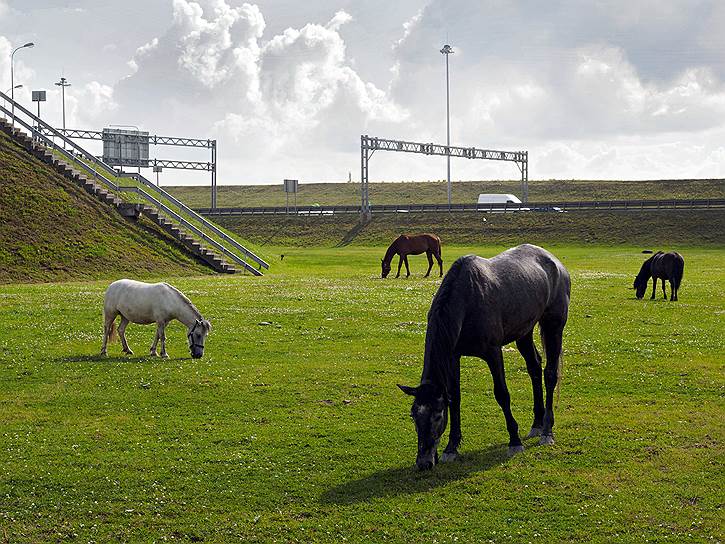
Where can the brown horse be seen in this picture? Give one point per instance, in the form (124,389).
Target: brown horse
(405,245)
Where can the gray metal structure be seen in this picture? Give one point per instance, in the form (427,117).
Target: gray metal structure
(580,206)
(103,173)
(446,51)
(291,186)
(369,144)
(152,139)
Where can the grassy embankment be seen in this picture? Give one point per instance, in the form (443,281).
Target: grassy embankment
(328,194)
(294,430)
(52,230)
(661,230)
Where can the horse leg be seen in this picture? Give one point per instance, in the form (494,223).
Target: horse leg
(552,338)
(162,337)
(664,293)
(122,335)
(528,351)
(454,409)
(430,262)
(440,262)
(107,329)
(673,290)
(494,358)
(156,340)
(654,288)
(400,263)
(407,268)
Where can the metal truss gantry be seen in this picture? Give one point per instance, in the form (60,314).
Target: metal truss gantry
(160,140)
(368,146)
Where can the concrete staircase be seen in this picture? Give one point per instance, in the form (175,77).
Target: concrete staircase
(129,210)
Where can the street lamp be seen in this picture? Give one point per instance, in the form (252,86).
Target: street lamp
(138,143)
(5,103)
(447,50)
(12,75)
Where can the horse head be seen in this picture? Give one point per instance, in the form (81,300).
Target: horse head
(385,268)
(430,414)
(196,335)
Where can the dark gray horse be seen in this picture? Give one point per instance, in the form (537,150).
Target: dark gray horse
(665,266)
(482,305)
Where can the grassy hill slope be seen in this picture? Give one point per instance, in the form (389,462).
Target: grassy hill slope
(51,230)
(657,229)
(463,192)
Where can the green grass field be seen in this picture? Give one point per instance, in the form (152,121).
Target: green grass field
(432,192)
(294,431)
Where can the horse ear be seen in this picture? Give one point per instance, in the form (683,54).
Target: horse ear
(408,390)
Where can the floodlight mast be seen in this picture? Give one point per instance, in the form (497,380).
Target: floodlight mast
(447,50)
(63,83)
(12,75)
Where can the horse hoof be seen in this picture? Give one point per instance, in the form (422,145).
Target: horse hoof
(513,450)
(535,431)
(164,356)
(546,440)
(128,352)
(449,457)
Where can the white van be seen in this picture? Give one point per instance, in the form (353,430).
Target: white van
(498,199)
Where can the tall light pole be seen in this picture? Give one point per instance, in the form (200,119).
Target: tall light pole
(63,83)
(12,75)
(447,50)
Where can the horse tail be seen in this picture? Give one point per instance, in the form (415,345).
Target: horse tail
(112,336)
(679,271)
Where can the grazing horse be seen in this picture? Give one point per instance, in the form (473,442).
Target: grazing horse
(145,303)
(665,266)
(405,245)
(482,305)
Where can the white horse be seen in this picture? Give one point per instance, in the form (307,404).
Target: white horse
(145,303)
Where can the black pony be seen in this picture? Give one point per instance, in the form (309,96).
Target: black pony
(481,305)
(665,266)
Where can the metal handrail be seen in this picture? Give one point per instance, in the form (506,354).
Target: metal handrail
(193,228)
(201,219)
(38,134)
(596,205)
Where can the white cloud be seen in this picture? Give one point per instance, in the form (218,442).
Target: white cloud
(268,94)
(615,88)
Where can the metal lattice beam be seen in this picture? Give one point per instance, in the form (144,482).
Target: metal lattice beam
(174,164)
(157,140)
(437,149)
(368,145)
(152,139)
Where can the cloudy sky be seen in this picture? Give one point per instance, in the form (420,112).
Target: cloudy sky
(592,89)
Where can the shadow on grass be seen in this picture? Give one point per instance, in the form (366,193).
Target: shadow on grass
(408,480)
(352,234)
(115,359)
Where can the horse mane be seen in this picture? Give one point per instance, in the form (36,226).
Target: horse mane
(186,300)
(646,271)
(390,251)
(444,328)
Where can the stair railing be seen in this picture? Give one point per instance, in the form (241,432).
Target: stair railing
(39,128)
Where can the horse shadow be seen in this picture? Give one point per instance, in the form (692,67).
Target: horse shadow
(407,480)
(97,358)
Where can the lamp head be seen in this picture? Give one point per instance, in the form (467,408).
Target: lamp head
(447,49)
(29,44)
